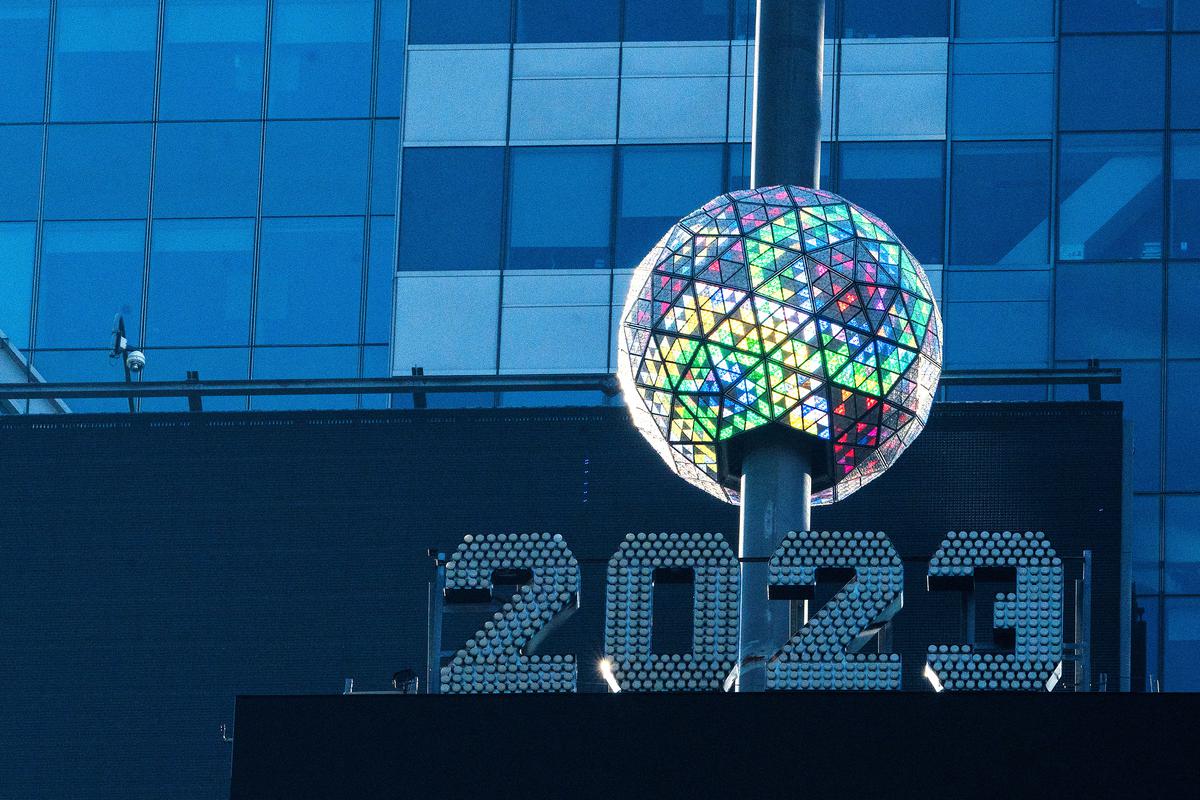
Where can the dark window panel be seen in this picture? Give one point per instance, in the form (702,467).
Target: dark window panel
(870,19)
(1110,196)
(1183,323)
(305,362)
(20,171)
(24,33)
(1185,82)
(1015,19)
(1181,649)
(1111,82)
(904,184)
(1185,195)
(207,169)
(310,276)
(1183,441)
(466,22)
(1145,542)
(90,272)
(1108,311)
(380,277)
(383,167)
(447,190)
(316,167)
(200,282)
(676,20)
(1000,210)
(97,171)
(17,243)
(212,59)
(389,75)
(659,184)
(321,58)
(213,364)
(555,21)
(1187,15)
(560,207)
(1113,16)
(1183,544)
(104,60)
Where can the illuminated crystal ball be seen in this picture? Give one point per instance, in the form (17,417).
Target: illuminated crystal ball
(786,308)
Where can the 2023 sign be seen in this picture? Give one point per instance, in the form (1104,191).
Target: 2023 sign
(824,654)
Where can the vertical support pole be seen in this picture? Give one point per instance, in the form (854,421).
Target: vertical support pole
(433,635)
(776,495)
(789,45)
(1083,615)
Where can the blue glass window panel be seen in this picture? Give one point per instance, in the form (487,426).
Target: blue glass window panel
(104,60)
(206,169)
(995,394)
(1185,195)
(1187,15)
(375,365)
(1111,82)
(24,32)
(389,74)
(993,285)
(97,171)
(90,272)
(466,22)
(310,279)
(971,334)
(212,59)
(555,21)
(1110,196)
(1183,323)
(744,13)
(84,366)
(447,191)
(385,152)
(305,362)
(1091,298)
(869,19)
(739,167)
(1015,19)
(902,182)
(1183,544)
(560,207)
(1183,445)
(1113,16)
(1181,649)
(1000,211)
(1185,82)
(676,20)
(321,58)
(20,171)
(17,242)
(213,364)
(1141,392)
(1144,514)
(659,184)
(316,167)
(380,279)
(200,282)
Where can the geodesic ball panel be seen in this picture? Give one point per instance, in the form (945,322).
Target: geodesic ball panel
(785,306)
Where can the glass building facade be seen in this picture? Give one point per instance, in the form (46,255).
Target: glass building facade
(358,187)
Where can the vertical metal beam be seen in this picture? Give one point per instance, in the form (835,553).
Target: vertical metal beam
(776,492)
(1083,612)
(789,45)
(433,636)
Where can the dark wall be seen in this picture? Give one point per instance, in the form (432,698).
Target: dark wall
(153,567)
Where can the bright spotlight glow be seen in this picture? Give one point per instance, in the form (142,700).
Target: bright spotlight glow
(606,672)
(933,678)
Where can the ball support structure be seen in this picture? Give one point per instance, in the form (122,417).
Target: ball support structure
(779,347)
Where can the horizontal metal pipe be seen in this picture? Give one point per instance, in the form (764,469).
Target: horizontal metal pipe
(432,384)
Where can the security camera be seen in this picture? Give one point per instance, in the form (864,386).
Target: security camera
(136,360)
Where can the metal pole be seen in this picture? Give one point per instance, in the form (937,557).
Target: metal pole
(1083,674)
(789,46)
(776,494)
